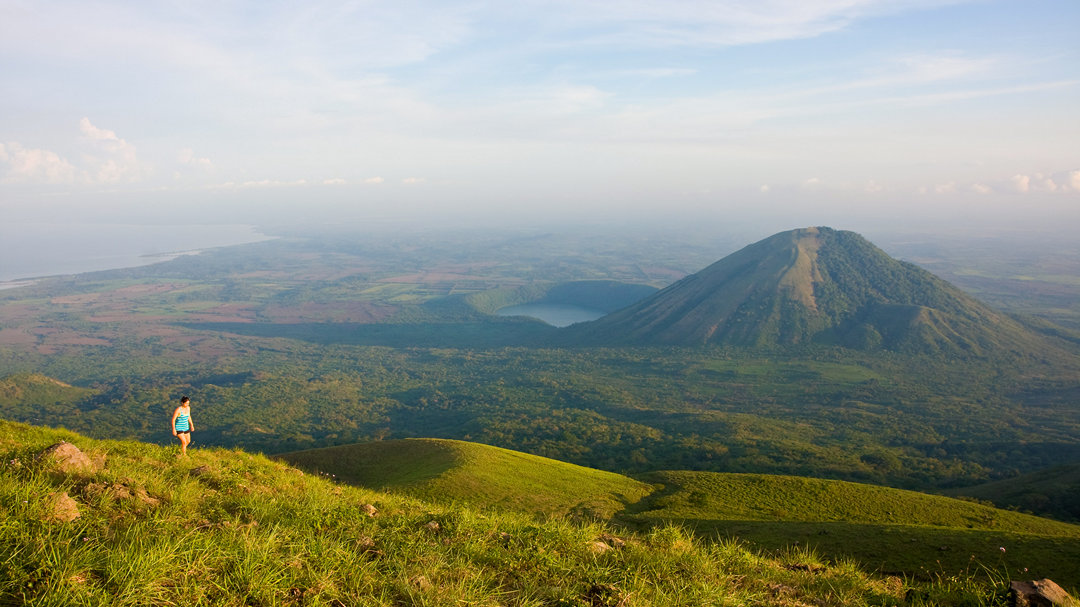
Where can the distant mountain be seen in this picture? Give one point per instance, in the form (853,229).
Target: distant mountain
(815,285)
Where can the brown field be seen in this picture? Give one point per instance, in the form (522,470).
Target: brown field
(346,311)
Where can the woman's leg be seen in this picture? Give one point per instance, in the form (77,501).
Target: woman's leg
(185,438)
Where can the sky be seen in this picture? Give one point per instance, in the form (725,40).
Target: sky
(797,112)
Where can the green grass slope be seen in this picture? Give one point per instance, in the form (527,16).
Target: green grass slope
(888,529)
(885,528)
(478,475)
(764,497)
(224,527)
(1053,491)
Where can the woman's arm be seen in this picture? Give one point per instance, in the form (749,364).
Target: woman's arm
(172,422)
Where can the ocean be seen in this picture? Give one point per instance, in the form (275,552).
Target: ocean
(35,250)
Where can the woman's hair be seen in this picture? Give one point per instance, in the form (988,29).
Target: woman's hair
(184,400)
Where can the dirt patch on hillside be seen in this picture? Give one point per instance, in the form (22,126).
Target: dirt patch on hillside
(17,337)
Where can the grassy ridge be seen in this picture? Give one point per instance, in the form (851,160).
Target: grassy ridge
(479,475)
(883,528)
(764,497)
(224,527)
(1055,491)
(880,527)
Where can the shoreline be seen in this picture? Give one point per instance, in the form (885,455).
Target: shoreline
(153,258)
(37,251)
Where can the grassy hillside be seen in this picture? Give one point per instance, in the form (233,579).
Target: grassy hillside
(884,528)
(478,475)
(225,527)
(763,497)
(1054,491)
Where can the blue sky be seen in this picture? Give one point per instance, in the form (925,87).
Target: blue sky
(800,110)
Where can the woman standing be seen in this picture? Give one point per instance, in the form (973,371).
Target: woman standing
(181,424)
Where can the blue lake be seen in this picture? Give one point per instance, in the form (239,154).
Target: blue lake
(557,315)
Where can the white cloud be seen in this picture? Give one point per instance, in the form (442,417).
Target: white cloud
(711,24)
(873,187)
(187,157)
(765,188)
(264,183)
(812,182)
(1064,182)
(1073,180)
(337,181)
(980,188)
(110,159)
(412,180)
(92,132)
(1044,183)
(374,180)
(23,165)
(945,188)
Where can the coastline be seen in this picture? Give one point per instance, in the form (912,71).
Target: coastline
(30,253)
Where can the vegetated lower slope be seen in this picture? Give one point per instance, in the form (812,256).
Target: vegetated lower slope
(224,527)
(20,388)
(478,475)
(842,519)
(1054,491)
(815,285)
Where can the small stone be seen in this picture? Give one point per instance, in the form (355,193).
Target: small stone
(61,508)
(598,547)
(67,458)
(421,582)
(1039,593)
(369,510)
(606,594)
(433,527)
(613,541)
